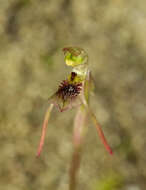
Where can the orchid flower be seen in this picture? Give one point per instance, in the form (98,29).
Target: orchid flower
(75,91)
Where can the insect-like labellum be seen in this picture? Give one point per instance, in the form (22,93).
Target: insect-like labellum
(67,90)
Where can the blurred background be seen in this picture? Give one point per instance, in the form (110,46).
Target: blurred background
(32,35)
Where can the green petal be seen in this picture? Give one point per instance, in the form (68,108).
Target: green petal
(64,105)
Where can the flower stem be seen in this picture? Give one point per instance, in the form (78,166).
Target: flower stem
(78,137)
(75,165)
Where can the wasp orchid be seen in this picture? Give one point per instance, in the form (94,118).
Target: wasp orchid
(75,91)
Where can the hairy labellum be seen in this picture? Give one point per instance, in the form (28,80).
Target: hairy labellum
(68,90)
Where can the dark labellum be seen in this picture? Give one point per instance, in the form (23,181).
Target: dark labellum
(67,90)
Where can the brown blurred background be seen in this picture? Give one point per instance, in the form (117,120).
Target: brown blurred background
(32,34)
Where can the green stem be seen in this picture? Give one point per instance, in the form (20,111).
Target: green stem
(79,126)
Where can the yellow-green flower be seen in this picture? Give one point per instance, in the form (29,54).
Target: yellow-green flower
(73,92)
